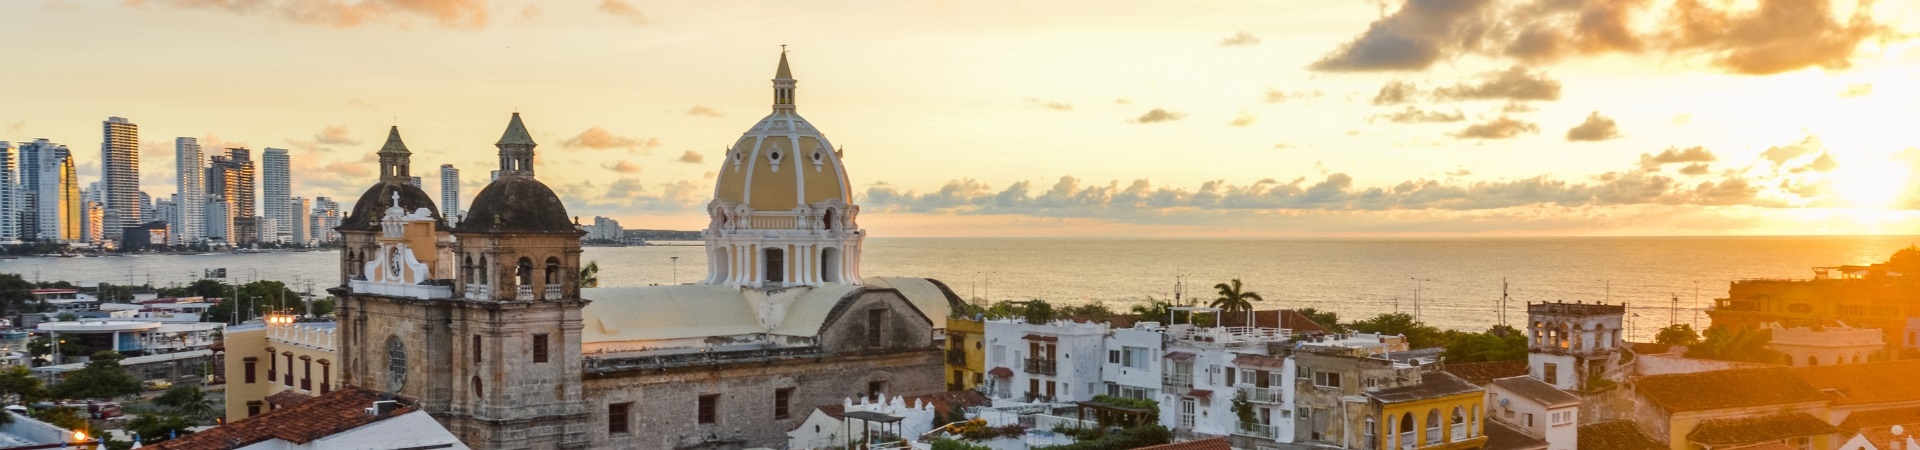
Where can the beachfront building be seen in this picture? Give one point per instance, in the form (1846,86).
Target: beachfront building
(1574,345)
(1833,343)
(1037,362)
(277,363)
(966,353)
(1536,409)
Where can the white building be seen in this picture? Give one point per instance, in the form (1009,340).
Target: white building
(1836,343)
(1536,408)
(219,221)
(1572,343)
(276,189)
(606,228)
(1912,342)
(326,217)
(450,193)
(1037,363)
(189,225)
(119,176)
(300,226)
(863,420)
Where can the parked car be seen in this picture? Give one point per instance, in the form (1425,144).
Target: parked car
(157,385)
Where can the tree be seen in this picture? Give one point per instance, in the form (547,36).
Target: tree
(1038,312)
(1736,344)
(189,400)
(157,428)
(101,378)
(1498,343)
(322,307)
(1677,334)
(590,275)
(1419,334)
(1328,319)
(1092,312)
(15,293)
(18,386)
(1232,299)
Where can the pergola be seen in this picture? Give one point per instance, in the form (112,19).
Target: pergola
(888,423)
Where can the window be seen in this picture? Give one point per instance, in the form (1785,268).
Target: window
(250,363)
(306,377)
(1550,373)
(288,379)
(1371,382)
(617,417)
(253,408)
(1562,418)
(1113,356)
(478,393)
(1136,357)
(1326,379)
(475,349)
(709,405)
(782,400)
(273,366)
(875,388)
(326,377)
(1529,419)
(876,321)
(540,348)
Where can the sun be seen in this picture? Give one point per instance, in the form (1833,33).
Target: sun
(1870,185)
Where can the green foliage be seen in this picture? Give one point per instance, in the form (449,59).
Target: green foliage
(1498,343)
(323,307)
(40,346)
(1038,312)
(1419,334)
(590,275)
(1241,407)
(1736,344)
(257,299)
(1677,334)
(18,386)
(967,310)
(949,444)
(61,416)
(1136,437)
(101,378)
(1125,402)
(1091,312)
(1006,309)
(67,317)
(1233,299)
(15,293)
(154,428)
(1328,319)
(1905,260)
(188,400)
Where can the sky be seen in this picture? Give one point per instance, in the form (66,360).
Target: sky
(1269,118)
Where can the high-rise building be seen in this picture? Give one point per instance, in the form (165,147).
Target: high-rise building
(605,229)
(35,160)
(166,210)
(190,226)
(93,223)
(56,201)
(219,224)
(326,217)
(265,227)
(120,174)
(9,194)
(275,189)
(230,176)
(450,193)
(298,209)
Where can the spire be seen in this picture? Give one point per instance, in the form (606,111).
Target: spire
(394,158)
(783,84)
(516,133)
(394,146)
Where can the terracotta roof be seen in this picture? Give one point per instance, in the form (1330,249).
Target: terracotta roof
(1771,427)
(1002,372)
(1648,348)
(326,415)
(1218,443)
(1485,372)
(1179,356)
(1538,391)
(1276,318)
(1252,360)
(1617,435)
(1432,385)
(288,398)
(942,401)
(1881,418)
(1875,382)
(1040,337)
(1200,393)
(1501,436)
(1726,389)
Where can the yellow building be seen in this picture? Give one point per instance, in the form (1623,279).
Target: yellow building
(1442,412)
(276,358)
(1733,408)
(966,343)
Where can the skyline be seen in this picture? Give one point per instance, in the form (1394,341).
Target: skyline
(1053,120)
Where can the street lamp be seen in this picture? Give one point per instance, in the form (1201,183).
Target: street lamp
(676,270)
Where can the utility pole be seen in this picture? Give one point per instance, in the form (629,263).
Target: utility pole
(676,270)
(1503,301)
(1418,285)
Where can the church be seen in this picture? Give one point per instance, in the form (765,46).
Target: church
(485,325)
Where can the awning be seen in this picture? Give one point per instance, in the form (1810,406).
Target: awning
(870,416)
(1179,356)
(1001,372)
(1201,393)
(1038,337)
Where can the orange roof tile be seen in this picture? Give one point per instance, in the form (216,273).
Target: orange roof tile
(1218,443)
(1616,435)
(1758,429)
(1865,383)
(1485,372)
(323,416)
(1881,418)
(1726,389)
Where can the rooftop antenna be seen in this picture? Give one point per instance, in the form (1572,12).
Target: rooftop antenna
(1673,311)
(1503,301)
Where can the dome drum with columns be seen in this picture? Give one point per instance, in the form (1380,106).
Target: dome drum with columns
(781,215)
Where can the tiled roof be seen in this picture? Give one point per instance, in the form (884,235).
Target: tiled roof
(1726,389)
(1880,418)
(1002,372)
(1538,391)
(1432,385)
(288,398)
(1218,443)
(1482,373)
(943,401)
(1252,360)
(1866,383)
(1501,436)
(1649,348)
(326,415)
(1617,435)
(1771,427)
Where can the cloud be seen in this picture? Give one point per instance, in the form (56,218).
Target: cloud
(344,13)
(691,157)
(1414,114)
(1854,90)
(1772,36)
(1780,154)
(1412,38)
(1595,128)
(1244,119)
(598,138)
(358,103)
(622,9)
(1676,155)
(1240,39)
(1695,169)
(1460,172)
(530,12)
(1681,119)
(1285,146)
(1396,92)
(1515,83)
(1278,96)
(334,135)
(622,166)
(1050,104)
(1518,107)
(703,110)
(1158,115)
(1502,127)
(1123,101)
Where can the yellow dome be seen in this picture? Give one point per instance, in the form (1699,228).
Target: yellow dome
(783,161)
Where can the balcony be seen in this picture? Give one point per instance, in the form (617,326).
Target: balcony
(956,357)
(1433,436)
(1459,432)
(1041,366)
(1261,394)
(552,293)
(1256,430)
(525,293)
(1176,381)
(1407,442)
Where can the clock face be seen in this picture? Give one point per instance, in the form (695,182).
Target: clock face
(393,261)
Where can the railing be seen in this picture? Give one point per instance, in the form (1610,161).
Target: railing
(1407,441)
(1041,366)
(1231,336)
(1262,394)
(957,356)
(1433,435)
(525,293)
(1049,422)
(552,293)
(1186,420)
(760,222)
(1177,383)
(1459,432)
(1257,430)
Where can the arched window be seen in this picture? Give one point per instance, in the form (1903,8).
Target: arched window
(1433,426)
(826,219)
(466,269)
(483,270)
(1459,420)
(523,275)
(1473,422)
(830,265)
(477,393)
(1405,435)
(1856,358)
(1371,430)
(553,271)
(1813,360)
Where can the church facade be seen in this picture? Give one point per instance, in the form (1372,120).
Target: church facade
(484,323)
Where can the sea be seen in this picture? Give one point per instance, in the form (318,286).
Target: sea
(1454,283)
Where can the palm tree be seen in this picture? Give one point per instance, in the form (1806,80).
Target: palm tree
(590,275)
(1233,299)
